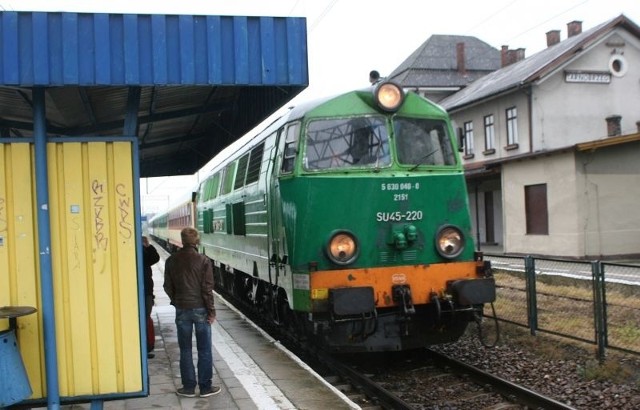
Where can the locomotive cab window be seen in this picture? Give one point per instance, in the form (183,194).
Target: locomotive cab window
(423,142)
(338,143)
(290,147)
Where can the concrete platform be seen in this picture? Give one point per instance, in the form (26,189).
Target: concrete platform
(253,370)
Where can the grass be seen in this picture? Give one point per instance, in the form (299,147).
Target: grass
(565,306)
(610,370)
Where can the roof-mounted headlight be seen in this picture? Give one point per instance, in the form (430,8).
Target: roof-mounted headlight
(449,241)
(389,96)
(342,248)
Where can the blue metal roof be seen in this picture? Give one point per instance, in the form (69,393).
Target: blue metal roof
(187,86)
(57,49)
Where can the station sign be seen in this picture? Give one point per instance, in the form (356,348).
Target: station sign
(596,77)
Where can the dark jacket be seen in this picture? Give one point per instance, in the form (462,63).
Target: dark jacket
(149,258)
(188,280)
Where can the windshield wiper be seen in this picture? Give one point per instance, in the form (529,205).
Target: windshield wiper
(421,161)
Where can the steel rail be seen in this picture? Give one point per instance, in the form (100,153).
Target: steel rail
(365,385)
(504,387)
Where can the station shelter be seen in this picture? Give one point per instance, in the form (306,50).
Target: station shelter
(90,103)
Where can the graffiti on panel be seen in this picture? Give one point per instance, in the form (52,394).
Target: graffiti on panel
(75,226)
(125,223)
(3,217)
(98,202)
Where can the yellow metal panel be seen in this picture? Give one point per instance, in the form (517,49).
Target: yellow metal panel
(18,253)
(69,260)
(98,271)
(100,275)
(5,269)
(93,254)
(126,287)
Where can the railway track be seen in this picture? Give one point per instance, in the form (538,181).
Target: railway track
(422,379)
(512,392)
(361,389)
(429,380)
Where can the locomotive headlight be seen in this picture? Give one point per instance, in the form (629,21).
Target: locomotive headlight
(449,242)
(389,96)
(342,248)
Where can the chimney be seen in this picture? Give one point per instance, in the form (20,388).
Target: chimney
(460,58)
(553,37)
(613,125)
(574,28)
(518,54)
(509,57)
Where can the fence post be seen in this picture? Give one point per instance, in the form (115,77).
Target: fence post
(599,308)
(532,302)
(605,316)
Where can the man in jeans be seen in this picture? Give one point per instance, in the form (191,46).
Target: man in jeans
(188,281)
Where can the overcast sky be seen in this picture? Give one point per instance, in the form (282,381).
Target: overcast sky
(348,38)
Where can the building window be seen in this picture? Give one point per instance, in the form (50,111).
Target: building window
(489,135)
(536,209)
(512,126)
(468,139)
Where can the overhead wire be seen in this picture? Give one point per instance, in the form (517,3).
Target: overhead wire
(549,19)
(322,15)
(294,7)
(558,14)
(491,16)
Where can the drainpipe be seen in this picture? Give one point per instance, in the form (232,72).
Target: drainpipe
(44,248)
(477,218)
(529,93)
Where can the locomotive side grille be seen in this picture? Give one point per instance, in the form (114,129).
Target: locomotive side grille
(407,256)
(387,257)
(411,255)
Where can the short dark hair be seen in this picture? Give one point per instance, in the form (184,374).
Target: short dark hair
(374,74)
(189,236)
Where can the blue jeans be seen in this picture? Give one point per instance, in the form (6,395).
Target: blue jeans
(186,319)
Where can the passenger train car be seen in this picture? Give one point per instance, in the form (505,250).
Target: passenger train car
(346,221)
(165,228)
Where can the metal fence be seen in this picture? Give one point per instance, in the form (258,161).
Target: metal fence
(594,302)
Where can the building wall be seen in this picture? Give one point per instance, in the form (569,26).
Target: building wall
(476,114)
(498,216)
(566,113)
(477,190)
(498,108)
(589,194)
(608,188)
(559,173)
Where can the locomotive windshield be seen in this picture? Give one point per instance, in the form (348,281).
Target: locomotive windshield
(423,142)
(337,143)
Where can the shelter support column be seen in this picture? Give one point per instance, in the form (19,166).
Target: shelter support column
(131,117)
(44,248)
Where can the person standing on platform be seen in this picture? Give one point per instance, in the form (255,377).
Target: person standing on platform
(188,281)
(149,258)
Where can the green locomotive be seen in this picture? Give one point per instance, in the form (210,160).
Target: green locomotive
(347,220)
